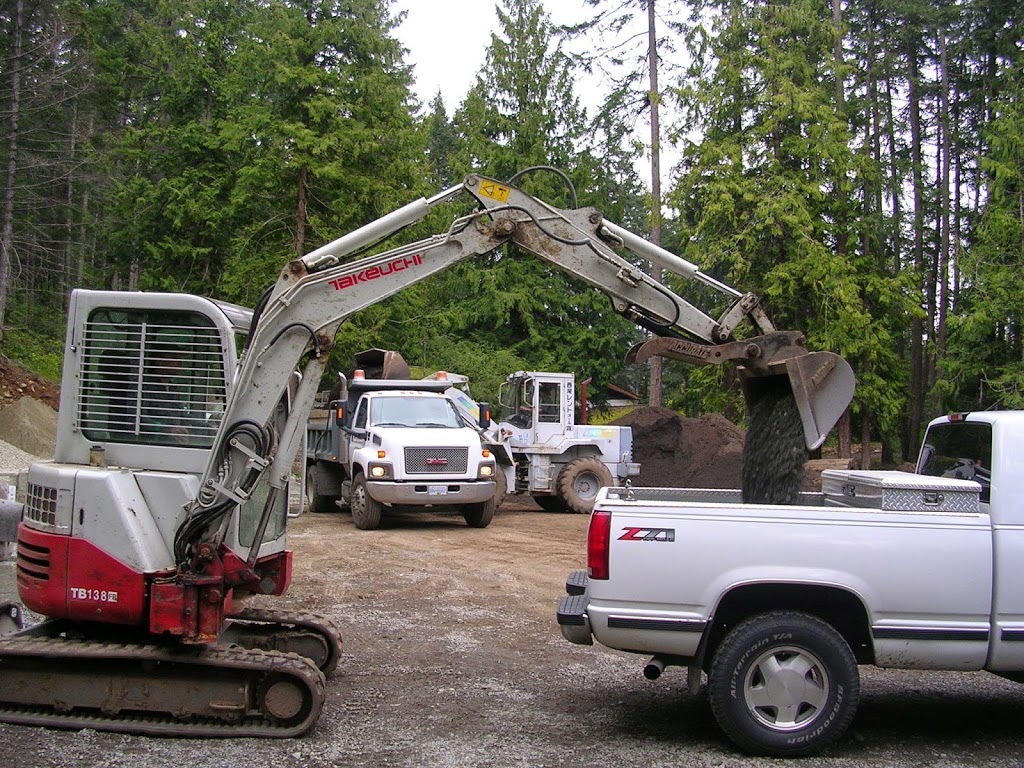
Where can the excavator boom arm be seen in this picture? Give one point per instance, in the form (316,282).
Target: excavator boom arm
(316,293)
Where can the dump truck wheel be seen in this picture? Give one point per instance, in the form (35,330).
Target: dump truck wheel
(366,512)
(316,502)
(479,515)
(579,481)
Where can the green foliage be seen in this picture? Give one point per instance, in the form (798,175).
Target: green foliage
(39,353)
(857,165)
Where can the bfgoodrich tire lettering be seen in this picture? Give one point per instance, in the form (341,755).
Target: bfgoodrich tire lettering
(784,685)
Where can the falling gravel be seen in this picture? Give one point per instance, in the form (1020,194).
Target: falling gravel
(773,452)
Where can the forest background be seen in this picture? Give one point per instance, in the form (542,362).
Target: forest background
(858,164)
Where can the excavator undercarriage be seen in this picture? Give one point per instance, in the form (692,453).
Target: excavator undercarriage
(266,678)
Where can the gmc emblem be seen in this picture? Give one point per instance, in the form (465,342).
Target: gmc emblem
(437,462)
(648,534)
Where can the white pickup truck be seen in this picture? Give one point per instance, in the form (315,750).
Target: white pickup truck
(778,605)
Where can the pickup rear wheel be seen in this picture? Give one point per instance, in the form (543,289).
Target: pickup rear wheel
(784,684)
(579,481)
(366,512)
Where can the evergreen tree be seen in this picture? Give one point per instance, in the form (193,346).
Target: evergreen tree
(320,120)
(766,194)
(523,113)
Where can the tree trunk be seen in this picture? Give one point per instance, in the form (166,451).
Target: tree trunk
(917,373)
(7,212)
(300,213)
(655,394)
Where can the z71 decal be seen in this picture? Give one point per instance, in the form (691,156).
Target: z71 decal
(648,534)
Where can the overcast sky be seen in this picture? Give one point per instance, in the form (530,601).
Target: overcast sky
(447,40)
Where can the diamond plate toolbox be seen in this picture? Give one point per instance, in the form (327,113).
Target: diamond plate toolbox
(898,491)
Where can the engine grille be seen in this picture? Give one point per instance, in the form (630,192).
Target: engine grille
(41,505)
(436,461)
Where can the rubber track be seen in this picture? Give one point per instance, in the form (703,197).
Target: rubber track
(251,665)
(305,620)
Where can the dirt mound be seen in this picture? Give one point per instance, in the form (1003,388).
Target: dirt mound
(30,425)
(16,383)
(673,450)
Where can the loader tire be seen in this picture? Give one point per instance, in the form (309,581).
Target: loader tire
(550,503)
(579,481)
(500,489)
(366,512)
(314,501)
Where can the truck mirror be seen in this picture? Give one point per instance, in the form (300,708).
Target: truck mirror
(485,415)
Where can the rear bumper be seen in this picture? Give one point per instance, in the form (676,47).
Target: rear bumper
(440,492)
(572,610)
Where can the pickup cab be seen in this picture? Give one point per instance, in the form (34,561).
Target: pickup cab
(778,605)
(386,444)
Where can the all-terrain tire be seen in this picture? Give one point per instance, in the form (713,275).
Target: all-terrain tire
(314,501)
(784,684)
(366,512)
(579,481)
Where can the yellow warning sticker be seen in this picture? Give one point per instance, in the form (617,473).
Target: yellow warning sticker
(494,190)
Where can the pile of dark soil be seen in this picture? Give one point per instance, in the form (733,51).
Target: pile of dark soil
(17,382)
(681,452)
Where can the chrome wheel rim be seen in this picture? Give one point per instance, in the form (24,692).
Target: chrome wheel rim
(786,688)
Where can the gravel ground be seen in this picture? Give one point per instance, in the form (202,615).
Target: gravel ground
(453,658)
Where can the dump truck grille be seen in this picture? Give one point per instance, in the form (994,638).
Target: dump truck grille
(436,461)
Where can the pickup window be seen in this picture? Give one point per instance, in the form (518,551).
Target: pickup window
(959,449)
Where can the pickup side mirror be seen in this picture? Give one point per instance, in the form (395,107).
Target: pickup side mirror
(485,415)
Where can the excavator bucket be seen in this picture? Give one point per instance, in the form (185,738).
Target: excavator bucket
(822,384)
(382,364)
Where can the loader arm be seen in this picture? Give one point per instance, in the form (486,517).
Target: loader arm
(315,294)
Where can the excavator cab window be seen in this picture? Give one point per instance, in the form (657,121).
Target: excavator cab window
(152,377)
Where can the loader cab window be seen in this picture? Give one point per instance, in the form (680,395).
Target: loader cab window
(959,449)
(549,402)
(516,401)
(151,377)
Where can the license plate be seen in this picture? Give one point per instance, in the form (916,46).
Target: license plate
(437,490)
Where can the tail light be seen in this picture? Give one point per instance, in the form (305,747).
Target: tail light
(598,543)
